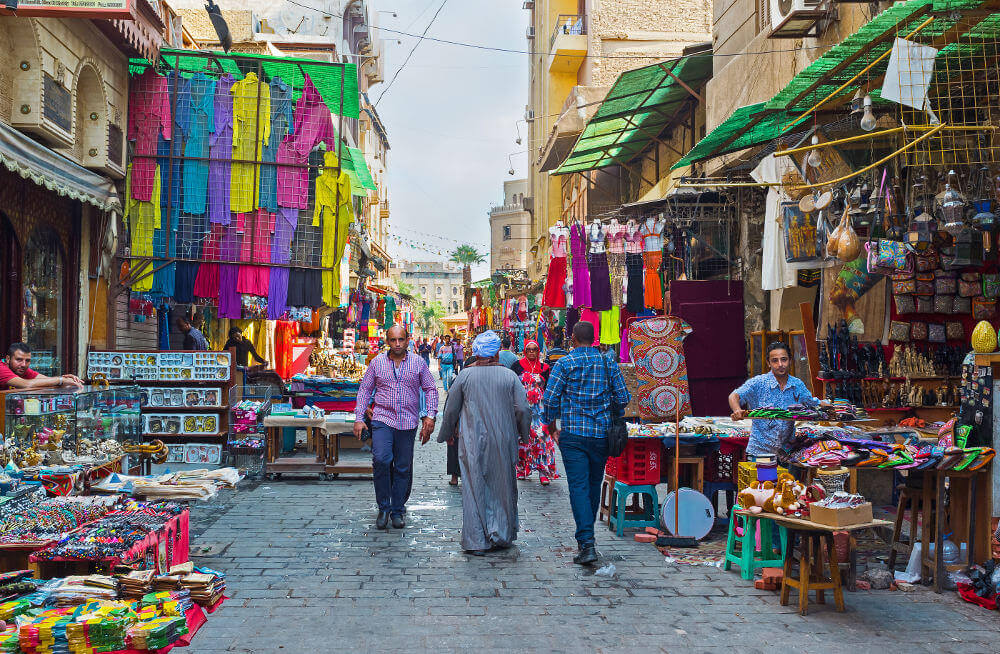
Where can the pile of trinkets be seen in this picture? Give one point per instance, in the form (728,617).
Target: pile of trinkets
(51,518)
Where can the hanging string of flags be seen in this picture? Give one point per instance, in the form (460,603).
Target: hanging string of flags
(430,248)
(443,238)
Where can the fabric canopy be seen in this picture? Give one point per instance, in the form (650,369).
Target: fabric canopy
(34,161)
(326,76)
(762,122)
(361,168)
(640,105)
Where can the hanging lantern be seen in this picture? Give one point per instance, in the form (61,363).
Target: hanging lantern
(922,230)
(985,221)
(952,211)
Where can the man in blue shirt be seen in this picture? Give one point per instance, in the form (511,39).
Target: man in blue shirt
(775,389)
(583,391)
(507,356)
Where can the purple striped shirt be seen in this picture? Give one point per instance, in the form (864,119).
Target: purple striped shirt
(397,391)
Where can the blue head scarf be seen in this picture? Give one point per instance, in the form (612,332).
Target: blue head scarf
(486,344)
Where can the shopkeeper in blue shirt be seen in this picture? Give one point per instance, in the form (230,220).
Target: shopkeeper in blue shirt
(775,389)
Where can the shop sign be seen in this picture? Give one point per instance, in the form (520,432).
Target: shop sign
(72,8)
(57,104)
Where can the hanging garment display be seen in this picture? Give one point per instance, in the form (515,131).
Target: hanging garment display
(277,290)
(657,348)
(281,122)
(220,149)
(635,299)
(554,295)
(313,125)
(305,288)
(201,123)
(581,276)
(257,229)
(332,189)
(616,260)
(230,305)
(597,264)
(610,326)
(251,129)
(652,256)
(184,278)
(775,274)
(142,218)
(170,160)
(148,120)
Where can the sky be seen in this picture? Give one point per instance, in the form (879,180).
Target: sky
(450,116)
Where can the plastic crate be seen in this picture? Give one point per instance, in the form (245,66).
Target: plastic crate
(748,474)
(640,462)
(611,467)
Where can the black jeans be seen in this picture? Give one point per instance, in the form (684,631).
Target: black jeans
(584,459)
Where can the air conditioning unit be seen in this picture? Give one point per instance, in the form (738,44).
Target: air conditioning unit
(529,115)
(530,33)
(795,19)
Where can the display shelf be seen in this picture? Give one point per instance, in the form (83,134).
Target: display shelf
(949,407)
(889,379)
(189,436)
(183,409)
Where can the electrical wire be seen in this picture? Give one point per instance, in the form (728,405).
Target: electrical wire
(410,53)
(479,46)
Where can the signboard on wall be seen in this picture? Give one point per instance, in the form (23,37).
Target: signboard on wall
(72,8)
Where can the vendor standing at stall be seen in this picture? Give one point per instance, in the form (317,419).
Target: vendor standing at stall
(15,372)
(774,389)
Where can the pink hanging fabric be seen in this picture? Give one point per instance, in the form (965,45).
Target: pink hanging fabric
(313,125)
(148,118)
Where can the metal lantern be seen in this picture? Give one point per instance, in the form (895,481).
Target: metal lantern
(985,221)
(922,230)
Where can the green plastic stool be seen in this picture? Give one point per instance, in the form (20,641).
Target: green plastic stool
(749,558)
(618,518)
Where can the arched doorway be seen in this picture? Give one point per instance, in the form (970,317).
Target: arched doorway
(42,309)
(10,284)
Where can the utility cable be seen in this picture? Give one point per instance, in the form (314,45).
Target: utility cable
(410,53)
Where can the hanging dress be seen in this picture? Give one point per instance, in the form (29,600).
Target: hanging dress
(554,296)
(652,258)
(616,261)
(600,276)
(581,276)
(635,299)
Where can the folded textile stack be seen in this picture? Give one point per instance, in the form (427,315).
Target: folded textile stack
(92,627)
(8,640)
(135,584)
(156,632)
(76,590)
(174,490)
(10,609)
(174,602)
(205,589)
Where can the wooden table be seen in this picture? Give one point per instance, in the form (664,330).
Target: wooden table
(966,514)
(275,464)
(811,573)
(333,430)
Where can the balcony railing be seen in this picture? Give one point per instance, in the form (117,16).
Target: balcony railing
(568,24)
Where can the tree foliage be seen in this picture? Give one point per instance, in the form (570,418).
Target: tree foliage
(466,255)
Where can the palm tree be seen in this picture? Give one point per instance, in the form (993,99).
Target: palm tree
(466,255)
(429,317)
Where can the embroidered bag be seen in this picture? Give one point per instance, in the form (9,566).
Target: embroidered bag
(894,255)
(903,286)
(905,304)
(945,282)
(924,284)
(944,303)
(899,331)
(925,304)
(935,333)
(991,286)
(954,330)
(926,260)
(962,305)
(983,309)
(918,331)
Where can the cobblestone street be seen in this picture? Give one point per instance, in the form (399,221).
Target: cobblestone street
(307,570)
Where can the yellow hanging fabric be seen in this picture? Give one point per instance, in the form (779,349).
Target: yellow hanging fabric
(142,218)
(251,129)
(329,188)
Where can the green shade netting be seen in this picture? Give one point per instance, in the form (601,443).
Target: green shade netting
(638,107)
(347,166)
(326,77)
(361,168)
(769,120)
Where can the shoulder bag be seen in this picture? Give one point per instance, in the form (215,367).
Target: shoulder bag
(617,432)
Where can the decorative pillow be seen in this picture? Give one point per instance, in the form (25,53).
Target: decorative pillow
(926,260)
(894,255)
(991,286)
(905,304)
(970,277)
(983,309)
(968,288)
(918,331)
(945,283)
(936,333)
(944,303)
(962,305)
(924,287)
(899,331)
(904,286)
(925,304)
(954,330)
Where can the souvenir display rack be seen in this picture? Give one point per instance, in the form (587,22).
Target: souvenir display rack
(185,394)
(247,445)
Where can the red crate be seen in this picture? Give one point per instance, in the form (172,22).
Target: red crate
(640,462)
(611,467)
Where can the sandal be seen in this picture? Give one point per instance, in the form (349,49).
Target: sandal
(985,456)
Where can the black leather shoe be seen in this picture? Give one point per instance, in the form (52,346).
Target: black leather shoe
(587,556)
(398,522)
(382,521)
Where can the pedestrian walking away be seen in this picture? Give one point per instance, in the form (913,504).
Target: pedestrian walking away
(539,453)
(391,386)
(446,362)
(585,390)
(486,413)
(507,356)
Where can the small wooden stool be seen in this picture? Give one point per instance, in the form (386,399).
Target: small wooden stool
(811,575)
(748,557)
(620,517)
(697,473)
(607,486)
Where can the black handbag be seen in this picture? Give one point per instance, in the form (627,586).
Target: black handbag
(617,431)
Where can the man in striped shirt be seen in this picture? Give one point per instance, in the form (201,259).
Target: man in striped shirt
(391,387)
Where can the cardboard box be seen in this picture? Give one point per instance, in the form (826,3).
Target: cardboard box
(841,517)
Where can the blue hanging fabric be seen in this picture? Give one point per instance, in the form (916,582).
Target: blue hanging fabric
(163,329)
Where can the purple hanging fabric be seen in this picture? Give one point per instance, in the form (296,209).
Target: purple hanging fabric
(221,147)
(284,229)
(229,299)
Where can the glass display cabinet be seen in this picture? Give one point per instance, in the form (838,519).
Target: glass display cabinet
(52,419)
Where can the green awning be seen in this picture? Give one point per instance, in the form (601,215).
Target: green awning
(638,107)
(326,77)
(347,166)
(361,168)
(763,122)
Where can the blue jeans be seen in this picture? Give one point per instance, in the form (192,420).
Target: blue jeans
(584,459)
(447,374)
(392,466)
